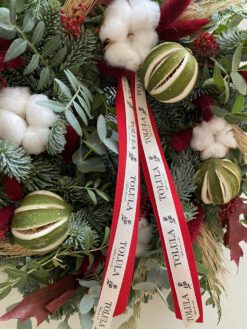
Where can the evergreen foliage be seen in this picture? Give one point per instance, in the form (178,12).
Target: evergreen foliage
(56,139)
(231,38)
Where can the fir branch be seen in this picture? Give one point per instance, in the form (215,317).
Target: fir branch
(43,176)
(78,230)
(183,172)
(190,210)
(14,161)
(56,139)
(231,38)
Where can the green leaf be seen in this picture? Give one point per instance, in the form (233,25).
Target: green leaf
(94,143)
(218,79)
(12,11)
(14,273)
(95,291)
(51,46)
(80,112)
(75,84)
(144,286)
(86,321)
(88,284)
(59,57)
(237,58)
(239,82)
(7,30)
(106,236)
(38,32)
(53,105)
(111,144)
(63,325)
(238,105)
(170,302)
(86,304)
(84,105)
(92,196)
(63,89)
(201,269)
(102,194)
(17,47)
(101,127)
(24,325)
(5,291)
(44,79)
(236,118)
(33,64)
(28,23)
(219,112)
(73,122)
(97,183)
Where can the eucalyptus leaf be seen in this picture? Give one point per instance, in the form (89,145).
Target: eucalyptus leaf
(84,105)
(24,325)
(7,30)
(237,58)
(75,84)
(63,89)
(72,120)
(89,284)
(53,105)
(38,32)
(106,236)
(102,194)
(17,47)
(92,196)
(239,82)
(86,304)
(80,112)
(63,325)
(95,291)
(101,127)
(85,320)
(111,144)
(28,23)
(94,143)
(144,286)
(33,64)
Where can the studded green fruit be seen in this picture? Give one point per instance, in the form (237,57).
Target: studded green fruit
(218,181)
(169,72)
(40,223)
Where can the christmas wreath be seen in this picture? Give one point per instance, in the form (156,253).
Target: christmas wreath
(90,92)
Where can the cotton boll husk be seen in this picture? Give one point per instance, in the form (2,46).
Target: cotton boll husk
(202,138)
(226,138)
(215,151)
(145,15)
(143,41)
(14,99)
(12,127)
(217,124)
(38,115)
(121,54)
(35,139)
(116,21)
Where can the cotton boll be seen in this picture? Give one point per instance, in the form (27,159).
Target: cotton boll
(216,125)
(215,151)
(121,54)
(226,138)
(202,138)
(38,115)
(14,99)
(145,15)
(143,41)
(12,127)
(116,21)
(35,139)
(144,236)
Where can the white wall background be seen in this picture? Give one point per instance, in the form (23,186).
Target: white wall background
(156,315)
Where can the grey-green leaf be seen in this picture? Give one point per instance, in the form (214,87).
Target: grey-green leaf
(53,105)
(7,30)
(63,89)
(33,64)
(17,47)
(51,46)
(90,165)
(81,113)
(88,284)
(28,23)
(12,11)
(238,105)
(111,144)
(144,286)
(101,127)
(237,58)
(59,57)
(5,291)
(24,325)
(85,320)
(63,325)
(72,79)
(86,304)
(239,83)
(38,32)
(72,120)
(92,196)
(44,79)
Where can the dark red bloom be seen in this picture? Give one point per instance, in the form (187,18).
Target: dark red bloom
(15,63)
(170,27)
(205,102)
(72,24)
(113,72)
(205,46)
(13,189)
(6,215)
(181,140)
(72,144)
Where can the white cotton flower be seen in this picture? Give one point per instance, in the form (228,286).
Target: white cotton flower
(12,127)
(35,139)
(14,99)
(38,115)
(143,41)
(202,138)
(215,151)
(145,230)
(145,14)
(226,138)
(216,124)
(123,55)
